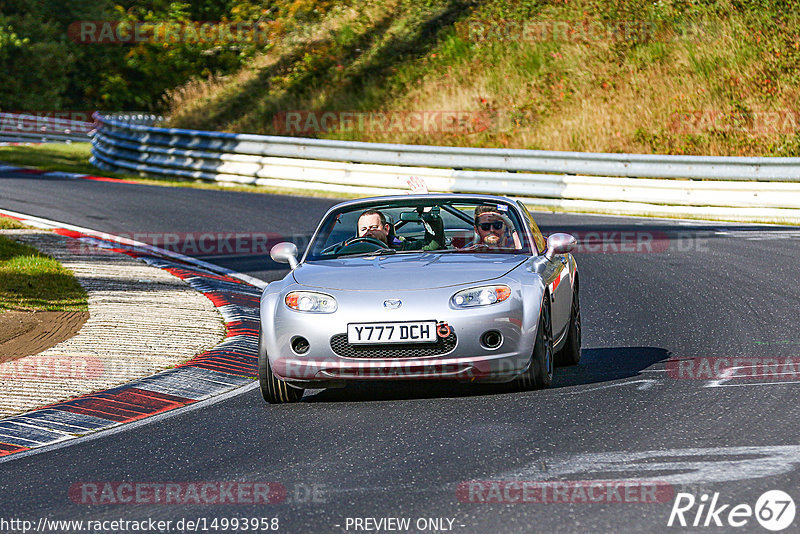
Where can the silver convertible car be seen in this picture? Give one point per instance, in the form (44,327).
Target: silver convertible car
(434,286)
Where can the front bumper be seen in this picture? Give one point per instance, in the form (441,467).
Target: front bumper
(502,369)
(466,360)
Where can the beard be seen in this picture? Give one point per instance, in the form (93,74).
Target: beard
(491,240)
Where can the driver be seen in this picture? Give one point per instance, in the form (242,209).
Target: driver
(372,223)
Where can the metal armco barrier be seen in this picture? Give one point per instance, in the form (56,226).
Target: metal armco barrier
(42,129)
(726,188)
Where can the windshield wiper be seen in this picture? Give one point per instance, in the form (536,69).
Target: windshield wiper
(378,252)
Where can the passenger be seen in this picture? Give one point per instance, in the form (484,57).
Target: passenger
(494,229)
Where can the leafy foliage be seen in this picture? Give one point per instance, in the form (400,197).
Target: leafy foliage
(666,76)
(732,63)
(47,66)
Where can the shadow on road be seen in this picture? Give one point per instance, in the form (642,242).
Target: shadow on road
(597,365)
(608,364)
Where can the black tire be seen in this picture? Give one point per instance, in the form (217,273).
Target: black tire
(539,374)
(273,389)
(570,353)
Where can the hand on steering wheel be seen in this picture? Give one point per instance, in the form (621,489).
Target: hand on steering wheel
(365,239)
(337,248)
(363,245)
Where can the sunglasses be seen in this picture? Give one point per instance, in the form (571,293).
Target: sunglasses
(497,225)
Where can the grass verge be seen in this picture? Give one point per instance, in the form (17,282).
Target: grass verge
(32,281)
(66,157)
(7,223)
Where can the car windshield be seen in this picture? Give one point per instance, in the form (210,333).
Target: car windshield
(416,225)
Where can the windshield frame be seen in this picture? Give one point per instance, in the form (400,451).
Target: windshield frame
(445,201)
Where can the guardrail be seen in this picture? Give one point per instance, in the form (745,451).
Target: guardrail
(24,128)
(727,188)
(134,117)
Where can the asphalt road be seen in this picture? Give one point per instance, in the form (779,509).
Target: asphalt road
(687,290)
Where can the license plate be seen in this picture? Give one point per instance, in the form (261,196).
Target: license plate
(411,332)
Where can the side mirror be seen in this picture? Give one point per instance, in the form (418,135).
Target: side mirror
(285,252)
(559,244)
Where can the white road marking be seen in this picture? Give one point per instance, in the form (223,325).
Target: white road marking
(725,377)
(674,466)
(645,383)
(730,373)
(784,383)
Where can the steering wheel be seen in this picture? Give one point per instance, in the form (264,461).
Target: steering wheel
(358,245)
(366,240)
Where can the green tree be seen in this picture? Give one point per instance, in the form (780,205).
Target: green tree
(45,66)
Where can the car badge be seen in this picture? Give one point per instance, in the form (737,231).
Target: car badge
(392,304)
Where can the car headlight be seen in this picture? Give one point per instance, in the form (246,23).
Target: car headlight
(480,296)
(311,302)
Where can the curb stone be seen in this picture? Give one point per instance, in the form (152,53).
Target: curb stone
(141,320)
(229,365)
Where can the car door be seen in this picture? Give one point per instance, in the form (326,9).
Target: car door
(560,281)
(561,290)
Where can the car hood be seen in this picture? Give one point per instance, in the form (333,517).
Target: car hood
(405,271)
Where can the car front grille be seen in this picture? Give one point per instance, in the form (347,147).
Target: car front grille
(341,347)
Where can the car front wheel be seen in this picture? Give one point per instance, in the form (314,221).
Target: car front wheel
(539,374)
(273,389)
(570,354)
